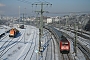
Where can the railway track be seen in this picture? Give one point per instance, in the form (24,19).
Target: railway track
(10,46)
(7,42)
(48,48)
(33,49)
(5,45)
(29,49)
(79,33)
(53,41)
(53,47)
(8,49)
(84,51)
(1,39)
(65,57)
(83,48)
(14,47)
(50,52)
(84,32)
(57,35)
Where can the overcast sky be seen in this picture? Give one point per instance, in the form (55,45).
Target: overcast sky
(11,7)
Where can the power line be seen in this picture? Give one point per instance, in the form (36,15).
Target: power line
(68,12)
(28,2)
(39,0)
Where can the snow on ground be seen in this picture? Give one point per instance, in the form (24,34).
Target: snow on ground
(27,39)
(79,56)
(48,53)
(80,39)
(3,29)
(83,41)
(25,45)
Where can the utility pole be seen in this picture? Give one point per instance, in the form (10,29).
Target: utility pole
(66,21)
(75,40)
(41,23)
(37,19)
(23,24)
(23,18)
(59,23)
(25,14)
(19,15)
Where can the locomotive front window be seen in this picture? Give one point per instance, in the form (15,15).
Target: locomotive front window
(64,43)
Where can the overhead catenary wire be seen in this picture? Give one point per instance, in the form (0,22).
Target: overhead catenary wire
(24,1)
(68,12)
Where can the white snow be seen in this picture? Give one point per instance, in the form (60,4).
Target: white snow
(83,41)
(27,43)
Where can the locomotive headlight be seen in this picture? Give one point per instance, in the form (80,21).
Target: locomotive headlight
(11,34)
(67,47)
(62,47)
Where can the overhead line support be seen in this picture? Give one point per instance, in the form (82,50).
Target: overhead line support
(41,22)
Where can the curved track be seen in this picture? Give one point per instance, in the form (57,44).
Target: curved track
(9,46)
(65,57)
(57,34)
(28,52)
(81,33)
(51,50)
(83,48)
(30,48)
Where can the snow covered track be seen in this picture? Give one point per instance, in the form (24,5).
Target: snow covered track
(5,45)
(49,51)
(65,57)
(81,33)
(50,48)
(33,49)
(85,51)
(16,48)
(56,39)
(82,47)
(26,46)
(1,39)
(9,45)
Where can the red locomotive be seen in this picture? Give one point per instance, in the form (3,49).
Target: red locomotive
(64,45)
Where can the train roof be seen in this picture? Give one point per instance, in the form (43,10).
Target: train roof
(63,38)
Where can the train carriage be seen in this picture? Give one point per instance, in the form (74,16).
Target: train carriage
(22,26)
